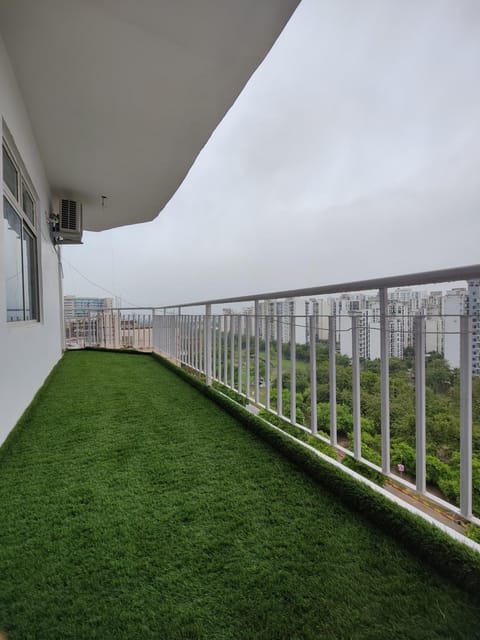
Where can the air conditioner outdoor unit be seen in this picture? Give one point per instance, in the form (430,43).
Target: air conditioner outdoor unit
(68,228)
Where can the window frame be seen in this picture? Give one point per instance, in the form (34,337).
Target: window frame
(28,227)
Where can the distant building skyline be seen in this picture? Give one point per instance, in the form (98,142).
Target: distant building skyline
(80,307)
(441,310)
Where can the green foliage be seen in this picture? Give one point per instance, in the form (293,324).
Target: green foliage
(442,412)
(371,447)
(438,376)
(435,469)
(364,470)
(473,532)
(370,382)
(230,393)
(402,453)
(372,366)
(298,433)
(344,418)
(450,487)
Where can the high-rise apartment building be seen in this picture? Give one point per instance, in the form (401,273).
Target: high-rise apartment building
(441,310)
(77,307)
(321,308)
(365,331)
(269,310)
(473,309)
(454,305)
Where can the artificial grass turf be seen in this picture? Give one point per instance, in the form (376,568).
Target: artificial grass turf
(132,507)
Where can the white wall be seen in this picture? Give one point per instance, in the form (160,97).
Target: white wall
(28,351)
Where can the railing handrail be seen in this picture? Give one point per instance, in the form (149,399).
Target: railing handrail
(147,310)
(471,272)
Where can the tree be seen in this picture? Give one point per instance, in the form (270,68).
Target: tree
(438,375)
(409,357)
(402,453)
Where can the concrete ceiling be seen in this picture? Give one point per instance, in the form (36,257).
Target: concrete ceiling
(123,94)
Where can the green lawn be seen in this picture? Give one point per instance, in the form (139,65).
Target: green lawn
(133,507)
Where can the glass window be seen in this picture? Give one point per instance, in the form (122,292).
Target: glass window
(30,287)
(28,206)
(10,173)
(20,244)
(13,256)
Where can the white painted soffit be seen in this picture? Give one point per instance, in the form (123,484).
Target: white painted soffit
(123,94)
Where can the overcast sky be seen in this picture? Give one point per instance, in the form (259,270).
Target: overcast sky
(353,152)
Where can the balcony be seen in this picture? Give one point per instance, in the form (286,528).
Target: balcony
(135,507)
(384,375)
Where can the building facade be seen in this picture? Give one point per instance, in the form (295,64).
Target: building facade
(78,307)
(473,309)
(454,306)
(31,335)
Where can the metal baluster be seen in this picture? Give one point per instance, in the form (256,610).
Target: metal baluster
(183,341)
(247,355)
(419,329)
(239,357)
(332,378)
(385,379)
(208,344)
(293,371)
(313,377)
(466,416)
(232,352)
(214,347)
(190,341)
(357,436)
(219,347)
(225,350)
(279,365)
(197,341)
(257,351)
(267,361)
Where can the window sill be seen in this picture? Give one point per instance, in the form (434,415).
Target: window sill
(22,323)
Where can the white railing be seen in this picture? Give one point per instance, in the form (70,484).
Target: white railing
(110,329)
(248,349)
